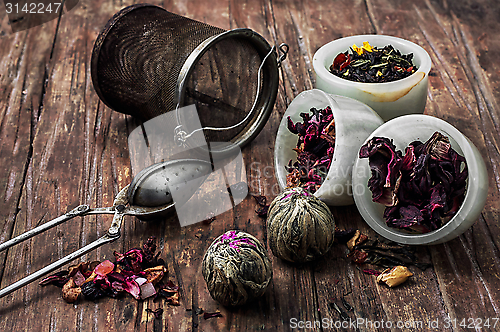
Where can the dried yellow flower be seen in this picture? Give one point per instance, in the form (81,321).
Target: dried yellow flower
(360,50)
(394,276)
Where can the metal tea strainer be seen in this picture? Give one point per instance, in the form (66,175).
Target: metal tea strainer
(147,62)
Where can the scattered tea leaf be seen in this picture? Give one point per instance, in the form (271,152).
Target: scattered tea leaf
(157,312)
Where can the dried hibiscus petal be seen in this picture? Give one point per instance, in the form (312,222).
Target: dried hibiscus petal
(58,279)
(423,189)
(315,148)
(131,287)
(372,272)
(207,315)
(358,256)
(385,165)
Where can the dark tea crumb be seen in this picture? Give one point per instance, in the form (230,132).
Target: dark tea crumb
(262,207)
(157,312)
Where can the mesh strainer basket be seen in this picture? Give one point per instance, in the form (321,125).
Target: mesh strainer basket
(148,61)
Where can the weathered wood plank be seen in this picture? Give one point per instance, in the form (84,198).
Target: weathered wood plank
(60,147)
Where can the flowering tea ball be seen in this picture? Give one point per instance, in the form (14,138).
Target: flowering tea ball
(300,227)
(236,268)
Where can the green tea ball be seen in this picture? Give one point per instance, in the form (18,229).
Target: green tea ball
(300,227)
(236,268)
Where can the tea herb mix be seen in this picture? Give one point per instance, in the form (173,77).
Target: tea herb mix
(139,272)
(368,64)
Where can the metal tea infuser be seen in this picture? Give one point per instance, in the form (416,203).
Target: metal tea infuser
(148,61)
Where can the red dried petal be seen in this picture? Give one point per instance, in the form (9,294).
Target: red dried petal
(131,287)
(339,60)
(358,256)
(372,272)
(345,63)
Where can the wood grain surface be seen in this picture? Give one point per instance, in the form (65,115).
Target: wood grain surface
(60,147)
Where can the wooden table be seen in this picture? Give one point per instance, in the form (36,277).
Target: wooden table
(60,146)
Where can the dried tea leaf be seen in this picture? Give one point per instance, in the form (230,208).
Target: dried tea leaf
(157,312)
(260,199)
(370,64)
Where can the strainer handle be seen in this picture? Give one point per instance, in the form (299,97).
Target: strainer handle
(81,210)
(58,264)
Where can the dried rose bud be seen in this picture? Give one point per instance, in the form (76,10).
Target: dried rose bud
(394,276)
(71,291)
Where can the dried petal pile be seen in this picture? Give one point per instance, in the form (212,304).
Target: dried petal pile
(314,149)
(421,190)
(369,64)
(138,272)
(393,257)
(377,252)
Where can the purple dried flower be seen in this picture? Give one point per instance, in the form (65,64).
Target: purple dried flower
(233,242)
(421,190)
(315,147)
